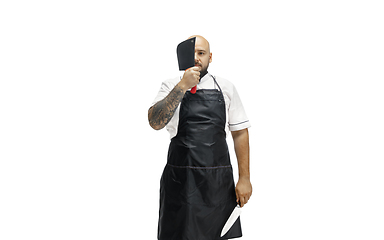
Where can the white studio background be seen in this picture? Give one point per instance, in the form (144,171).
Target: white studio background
(78,159)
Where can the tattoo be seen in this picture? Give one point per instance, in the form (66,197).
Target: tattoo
(161,113)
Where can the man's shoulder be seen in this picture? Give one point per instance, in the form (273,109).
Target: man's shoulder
(224,83)
(222,80)
(172,81)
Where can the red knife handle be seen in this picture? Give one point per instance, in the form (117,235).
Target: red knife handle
(193,90)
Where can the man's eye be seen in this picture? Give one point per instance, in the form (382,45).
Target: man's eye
(201,53)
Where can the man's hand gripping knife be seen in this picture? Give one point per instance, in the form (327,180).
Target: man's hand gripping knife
(192,76)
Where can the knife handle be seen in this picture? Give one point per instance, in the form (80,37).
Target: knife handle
(193,90)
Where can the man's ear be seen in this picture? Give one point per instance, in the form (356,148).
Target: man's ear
(210,57)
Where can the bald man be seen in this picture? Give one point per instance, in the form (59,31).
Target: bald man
(197,190)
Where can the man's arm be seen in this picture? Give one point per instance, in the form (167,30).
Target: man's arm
(244,186)
(161,113)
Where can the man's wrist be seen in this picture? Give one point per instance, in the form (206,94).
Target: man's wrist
(182,86)
(245,177)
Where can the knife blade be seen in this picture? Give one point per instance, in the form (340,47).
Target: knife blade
(186,56)
(231,220)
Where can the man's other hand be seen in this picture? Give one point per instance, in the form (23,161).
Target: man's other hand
(243,191)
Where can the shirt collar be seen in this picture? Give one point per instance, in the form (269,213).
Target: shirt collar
(205,78)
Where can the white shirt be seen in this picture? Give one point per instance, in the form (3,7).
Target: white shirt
(235,115)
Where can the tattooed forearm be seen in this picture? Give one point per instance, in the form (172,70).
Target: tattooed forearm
(161,113)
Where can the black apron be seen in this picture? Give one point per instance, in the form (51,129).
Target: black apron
(197,190)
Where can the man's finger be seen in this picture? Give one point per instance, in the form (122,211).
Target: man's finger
(195,68)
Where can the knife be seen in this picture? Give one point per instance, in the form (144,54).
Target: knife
(186,56)
(231,220)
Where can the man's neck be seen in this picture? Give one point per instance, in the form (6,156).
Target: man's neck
(202,74)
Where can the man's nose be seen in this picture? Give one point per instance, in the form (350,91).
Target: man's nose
(197,59)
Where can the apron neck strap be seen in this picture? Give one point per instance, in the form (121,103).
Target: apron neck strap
(214,79)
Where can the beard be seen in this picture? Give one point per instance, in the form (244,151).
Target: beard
(203,71)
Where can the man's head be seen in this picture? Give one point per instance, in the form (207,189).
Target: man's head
(203,55)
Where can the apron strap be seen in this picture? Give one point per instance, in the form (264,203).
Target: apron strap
(214,79)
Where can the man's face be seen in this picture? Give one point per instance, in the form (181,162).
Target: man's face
(203,56)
